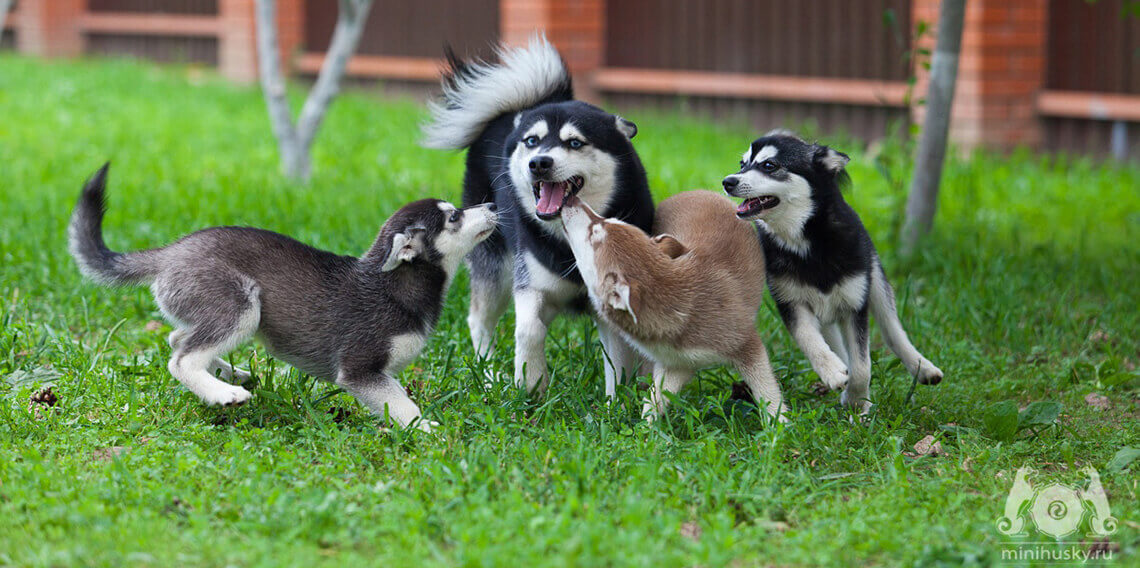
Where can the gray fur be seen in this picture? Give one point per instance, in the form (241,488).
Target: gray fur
(340,318)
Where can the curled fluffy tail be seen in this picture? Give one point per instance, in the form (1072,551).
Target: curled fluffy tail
(85,240)
(476,92)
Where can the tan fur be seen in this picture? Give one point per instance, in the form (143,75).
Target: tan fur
(688,298)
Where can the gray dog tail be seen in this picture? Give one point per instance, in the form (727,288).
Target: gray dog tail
(85,240)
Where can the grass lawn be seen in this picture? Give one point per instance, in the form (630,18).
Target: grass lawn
(1027,292)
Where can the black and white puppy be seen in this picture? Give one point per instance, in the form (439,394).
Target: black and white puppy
(352,321)
(823,271)
(530,146)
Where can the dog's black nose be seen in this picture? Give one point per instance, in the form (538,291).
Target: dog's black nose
(492,207)
(730,184)
(540,165)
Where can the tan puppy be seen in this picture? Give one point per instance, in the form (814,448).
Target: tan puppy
(687,298)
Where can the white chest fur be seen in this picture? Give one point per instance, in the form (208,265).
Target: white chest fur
(847,296)
(405,348)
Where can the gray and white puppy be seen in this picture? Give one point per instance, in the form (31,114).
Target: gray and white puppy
(352,321)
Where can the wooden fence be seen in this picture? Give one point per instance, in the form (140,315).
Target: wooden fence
(1091,101)
(1057,74)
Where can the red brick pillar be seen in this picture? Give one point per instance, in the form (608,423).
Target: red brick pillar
(237,41)
(50,28)
(1000,71)
(576,28)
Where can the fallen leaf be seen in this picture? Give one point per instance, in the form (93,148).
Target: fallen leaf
(967,464)
(778,526)
(1098,401)
(1098,336)
(691,530)
(153,325)
(110,453)
(928,447)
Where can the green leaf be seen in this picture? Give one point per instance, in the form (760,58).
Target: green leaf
(1001,420)
(1122,458)
(1041,413)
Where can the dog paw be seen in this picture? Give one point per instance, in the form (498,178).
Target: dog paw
(834,375)
(857,402)
(928,374)
(426,425)
(227,396)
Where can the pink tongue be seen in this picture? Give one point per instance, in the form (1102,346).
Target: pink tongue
(743,207)
(550,197)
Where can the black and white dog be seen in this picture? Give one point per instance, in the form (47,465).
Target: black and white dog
(529,147)
(823,271)
(353,321)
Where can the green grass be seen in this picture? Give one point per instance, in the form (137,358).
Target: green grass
(1026,292)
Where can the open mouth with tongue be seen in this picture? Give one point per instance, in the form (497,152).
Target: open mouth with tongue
(550,196)
(754,206)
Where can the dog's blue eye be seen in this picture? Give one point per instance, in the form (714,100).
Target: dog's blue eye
(530,141)
(455,215)
(769,166)
(575,143)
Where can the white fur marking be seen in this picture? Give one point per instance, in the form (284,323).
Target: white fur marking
(405,348)
(765,153)
(846,297)
(569,131)
(539,129)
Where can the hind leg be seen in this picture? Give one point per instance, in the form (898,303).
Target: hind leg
(218,366)
(855,330)
(756,370)
(833,336)
(490,296)
(218,310)
(886,314)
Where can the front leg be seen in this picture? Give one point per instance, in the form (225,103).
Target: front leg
(665,380)
(621,359)
(807,332)
(384,396)
(530,341)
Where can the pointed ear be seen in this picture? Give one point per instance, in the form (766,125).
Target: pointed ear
(622,297)
(626,127)
(669,245)
(405,247)
(831,159)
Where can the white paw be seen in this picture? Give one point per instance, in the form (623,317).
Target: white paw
(426,425)
(228,395)
(928,374)
(833,374)
(860,403)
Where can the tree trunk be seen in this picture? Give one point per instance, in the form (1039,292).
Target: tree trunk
(923,199)
(5,6)
(295,141)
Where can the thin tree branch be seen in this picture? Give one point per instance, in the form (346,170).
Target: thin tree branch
(923,198)
(349,27)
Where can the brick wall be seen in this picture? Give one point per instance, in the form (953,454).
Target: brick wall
(1000,71)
